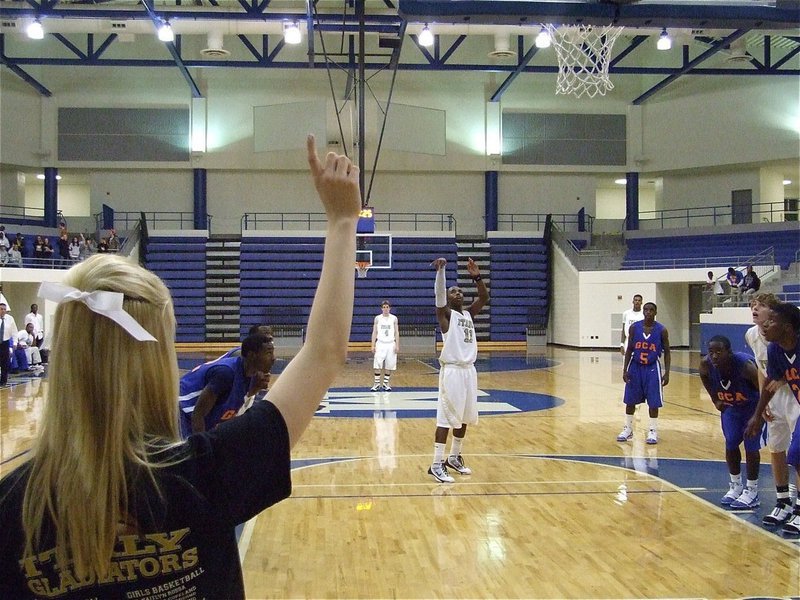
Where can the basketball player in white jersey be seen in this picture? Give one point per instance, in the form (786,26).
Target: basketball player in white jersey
(781,413)
(457,404)
(385,346)
(629,317)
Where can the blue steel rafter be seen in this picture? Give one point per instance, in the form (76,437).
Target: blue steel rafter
(650,15)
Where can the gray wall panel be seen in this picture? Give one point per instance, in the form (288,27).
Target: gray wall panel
(126,134)
(563,139)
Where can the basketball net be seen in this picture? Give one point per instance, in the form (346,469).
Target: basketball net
(362,268)
(584,55)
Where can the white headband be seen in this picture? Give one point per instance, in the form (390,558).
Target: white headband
(108,304)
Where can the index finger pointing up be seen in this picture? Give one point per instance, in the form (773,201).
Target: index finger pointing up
(313,159)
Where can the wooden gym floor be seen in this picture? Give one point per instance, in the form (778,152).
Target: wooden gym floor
(555,508)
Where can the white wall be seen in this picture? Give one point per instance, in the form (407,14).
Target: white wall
(589,306)
(565,320)
(73,199)
(716,124)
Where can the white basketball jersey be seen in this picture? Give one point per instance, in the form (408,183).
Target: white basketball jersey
(460,345)
(629,317)
(758,345)
(386,327)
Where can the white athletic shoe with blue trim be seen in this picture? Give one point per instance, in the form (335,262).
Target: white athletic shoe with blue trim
(734,492)
(748,500)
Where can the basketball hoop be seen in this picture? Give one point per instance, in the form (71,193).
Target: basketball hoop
(584,55)
(362,268)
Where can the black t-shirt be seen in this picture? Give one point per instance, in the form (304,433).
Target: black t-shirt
(185,546)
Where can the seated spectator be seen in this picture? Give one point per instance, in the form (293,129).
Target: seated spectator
(29,352)
(102,246)
(735,279)
(3,256)
(4,241)
(751,282)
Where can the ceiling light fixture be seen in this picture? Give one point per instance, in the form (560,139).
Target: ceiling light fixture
(291,33)
(787,182)
(426,37)
(165,33)
(35,30)
(41,176)
(664,41)
(543,39)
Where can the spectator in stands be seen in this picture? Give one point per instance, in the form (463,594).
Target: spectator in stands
(385,347)
(35,318)
(63,250)
(26,346)
(74,249)
(735,280)
(731,380)
(145,484)
(38,251)
(88,247)
(48,253)
(751,283)
(712,291)
(3,256)
(102,246)
(113,241)
(4,241)
(15,255)
(20,241)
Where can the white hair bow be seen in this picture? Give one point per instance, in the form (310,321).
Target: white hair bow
(108,304)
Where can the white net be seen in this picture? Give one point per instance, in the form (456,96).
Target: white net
(362,268)
(584,55)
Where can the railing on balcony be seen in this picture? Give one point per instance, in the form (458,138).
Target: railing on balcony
(710,216)
(309,221)
(536,221)
(125,221)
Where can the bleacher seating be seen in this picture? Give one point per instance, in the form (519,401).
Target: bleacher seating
(519,286)
(279,277)
(687,251)
(181,263)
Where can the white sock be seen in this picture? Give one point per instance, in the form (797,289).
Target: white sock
(629,421)
(377,380)
(752,484)
(737,479)
(455,448)
(438,453)
(654,423)
(386,379)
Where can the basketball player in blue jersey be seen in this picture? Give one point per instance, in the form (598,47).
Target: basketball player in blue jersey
(642,374)
(217,390)
(782,331)
(457,404)
(731,379)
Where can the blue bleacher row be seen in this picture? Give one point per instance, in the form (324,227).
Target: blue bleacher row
(694,250)
(278,277)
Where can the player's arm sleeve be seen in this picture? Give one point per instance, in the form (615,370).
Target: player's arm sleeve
(440,288)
